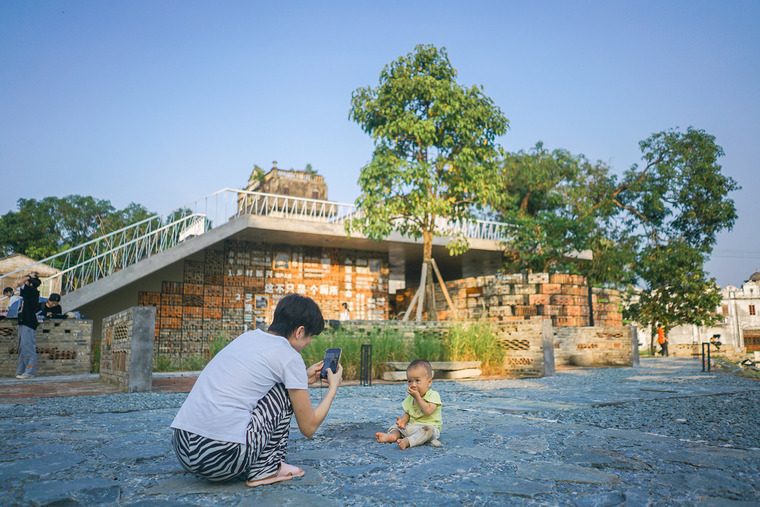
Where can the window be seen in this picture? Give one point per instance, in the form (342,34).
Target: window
(315,194)
(285,190)
(751,309)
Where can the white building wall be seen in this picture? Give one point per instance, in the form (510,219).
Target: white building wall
(740,309)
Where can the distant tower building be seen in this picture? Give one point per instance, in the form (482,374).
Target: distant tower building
(294,183)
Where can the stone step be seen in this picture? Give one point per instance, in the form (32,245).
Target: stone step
(437,374)
(455,374)
(437,365)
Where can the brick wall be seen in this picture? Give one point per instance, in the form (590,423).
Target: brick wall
(237,288)
(63,347)
(524,345)
(593,346)
(517,297)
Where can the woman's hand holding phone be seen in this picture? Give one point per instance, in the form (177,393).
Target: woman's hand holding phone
(334,379)
(313,372)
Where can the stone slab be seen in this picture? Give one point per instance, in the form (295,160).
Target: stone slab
(437,374)
(394,375)
(563,472)
(455,374)
(74,492)
(437,365)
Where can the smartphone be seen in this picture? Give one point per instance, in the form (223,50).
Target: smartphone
(332,358)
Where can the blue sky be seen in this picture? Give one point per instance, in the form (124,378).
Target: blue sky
(163,102)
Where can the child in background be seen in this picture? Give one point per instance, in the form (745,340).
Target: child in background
(422,420)
(13,303)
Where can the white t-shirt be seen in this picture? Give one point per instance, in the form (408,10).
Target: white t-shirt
(229,387)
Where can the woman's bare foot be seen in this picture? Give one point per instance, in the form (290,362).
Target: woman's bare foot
(403,443)
(385,437)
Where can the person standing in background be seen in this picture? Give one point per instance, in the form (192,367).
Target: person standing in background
(662,340)
(344,313)
(27,326)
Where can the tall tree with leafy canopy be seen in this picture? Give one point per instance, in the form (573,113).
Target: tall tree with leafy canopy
(435,151)
(654,226)
(558,204)
(676,203)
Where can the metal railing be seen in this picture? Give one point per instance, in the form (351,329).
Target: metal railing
(120,249)
(101,257)
(228,203)
(480,229)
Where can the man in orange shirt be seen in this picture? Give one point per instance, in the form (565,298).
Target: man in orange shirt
(662,340)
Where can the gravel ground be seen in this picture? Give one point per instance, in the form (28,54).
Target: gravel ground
(725,420)
(659,434)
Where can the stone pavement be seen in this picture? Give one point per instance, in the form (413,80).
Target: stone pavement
(657,434)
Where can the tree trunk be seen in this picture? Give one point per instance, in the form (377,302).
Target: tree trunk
(427,254)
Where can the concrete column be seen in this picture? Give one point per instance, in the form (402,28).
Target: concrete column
(548,334)
(635,361)
(141,360)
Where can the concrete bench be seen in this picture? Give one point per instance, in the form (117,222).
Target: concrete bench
(441,370)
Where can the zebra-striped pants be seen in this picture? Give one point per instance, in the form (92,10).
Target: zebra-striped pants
(265,444)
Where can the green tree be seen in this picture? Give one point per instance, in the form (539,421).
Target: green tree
(82,217)
(33,230)
(655,226)
(435,151)
(257,175)
(558,204)
(41,228)
(675,205)
(678,290)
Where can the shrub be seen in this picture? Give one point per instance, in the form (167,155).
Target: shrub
(95,361)
(473,342)
(162,363)
(465,342)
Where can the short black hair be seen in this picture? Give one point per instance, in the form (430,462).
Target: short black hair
(34,281)
(294,311)
(7,290)
(421,362)
(55,298)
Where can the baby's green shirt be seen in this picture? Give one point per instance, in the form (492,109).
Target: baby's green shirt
(415,412)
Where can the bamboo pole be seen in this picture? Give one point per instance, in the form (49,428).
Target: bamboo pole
(423,282)
(445,291)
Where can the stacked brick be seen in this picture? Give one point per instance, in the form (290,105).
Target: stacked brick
(523,343)
(607,307)
(593,346)
(516,297)
(63,346)
(237,288)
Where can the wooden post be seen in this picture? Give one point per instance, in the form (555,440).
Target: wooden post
(411,305)
(418,299)
(423,282)
(443,286)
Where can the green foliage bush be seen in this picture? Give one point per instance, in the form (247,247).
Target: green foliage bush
(95,361)
(472,342)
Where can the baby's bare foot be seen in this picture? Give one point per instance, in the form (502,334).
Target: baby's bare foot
(403,443)
(385,437)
